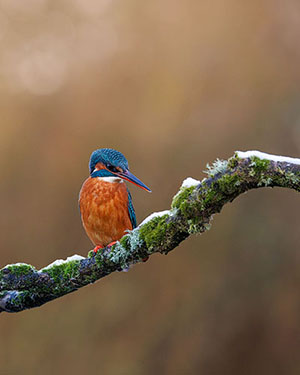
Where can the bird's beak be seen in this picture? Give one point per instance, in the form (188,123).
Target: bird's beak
(128,176)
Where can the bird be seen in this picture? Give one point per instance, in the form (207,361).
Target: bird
(105,202)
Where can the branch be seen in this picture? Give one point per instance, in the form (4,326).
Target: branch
(23,287)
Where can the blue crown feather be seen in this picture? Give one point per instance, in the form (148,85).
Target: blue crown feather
(108,156)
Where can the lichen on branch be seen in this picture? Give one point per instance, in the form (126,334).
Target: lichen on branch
(23,287)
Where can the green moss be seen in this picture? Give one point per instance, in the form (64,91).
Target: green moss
(20,269)
(124,241)
(91,254)
(293,177)
(228,183)
(71,269)
(99,259)
(154,232)
(182,196)
(233,161)
(288,179)
(264,181)
(210,198)
(63,272)
(259,165)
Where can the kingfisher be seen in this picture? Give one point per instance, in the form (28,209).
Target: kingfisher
(105,202)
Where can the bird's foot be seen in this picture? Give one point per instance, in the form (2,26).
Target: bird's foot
(111,244)
(97,248)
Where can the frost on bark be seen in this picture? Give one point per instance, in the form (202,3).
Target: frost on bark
(23,287)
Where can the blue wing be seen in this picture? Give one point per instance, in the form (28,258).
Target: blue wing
(131,211)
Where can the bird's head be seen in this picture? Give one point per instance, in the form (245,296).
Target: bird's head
(107,162)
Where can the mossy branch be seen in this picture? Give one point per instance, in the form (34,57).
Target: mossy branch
(23,287)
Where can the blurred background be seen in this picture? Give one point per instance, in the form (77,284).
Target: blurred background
(172,85)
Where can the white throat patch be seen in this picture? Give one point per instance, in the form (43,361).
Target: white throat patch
(111,179)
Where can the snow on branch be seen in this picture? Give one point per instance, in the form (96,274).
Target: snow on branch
(23,287)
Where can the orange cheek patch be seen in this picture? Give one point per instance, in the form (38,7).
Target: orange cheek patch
(99,166)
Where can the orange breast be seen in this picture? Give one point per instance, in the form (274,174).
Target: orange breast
(104,210)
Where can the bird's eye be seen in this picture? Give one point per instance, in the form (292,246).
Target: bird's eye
(112,168)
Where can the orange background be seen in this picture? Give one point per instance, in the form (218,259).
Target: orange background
(172,85)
